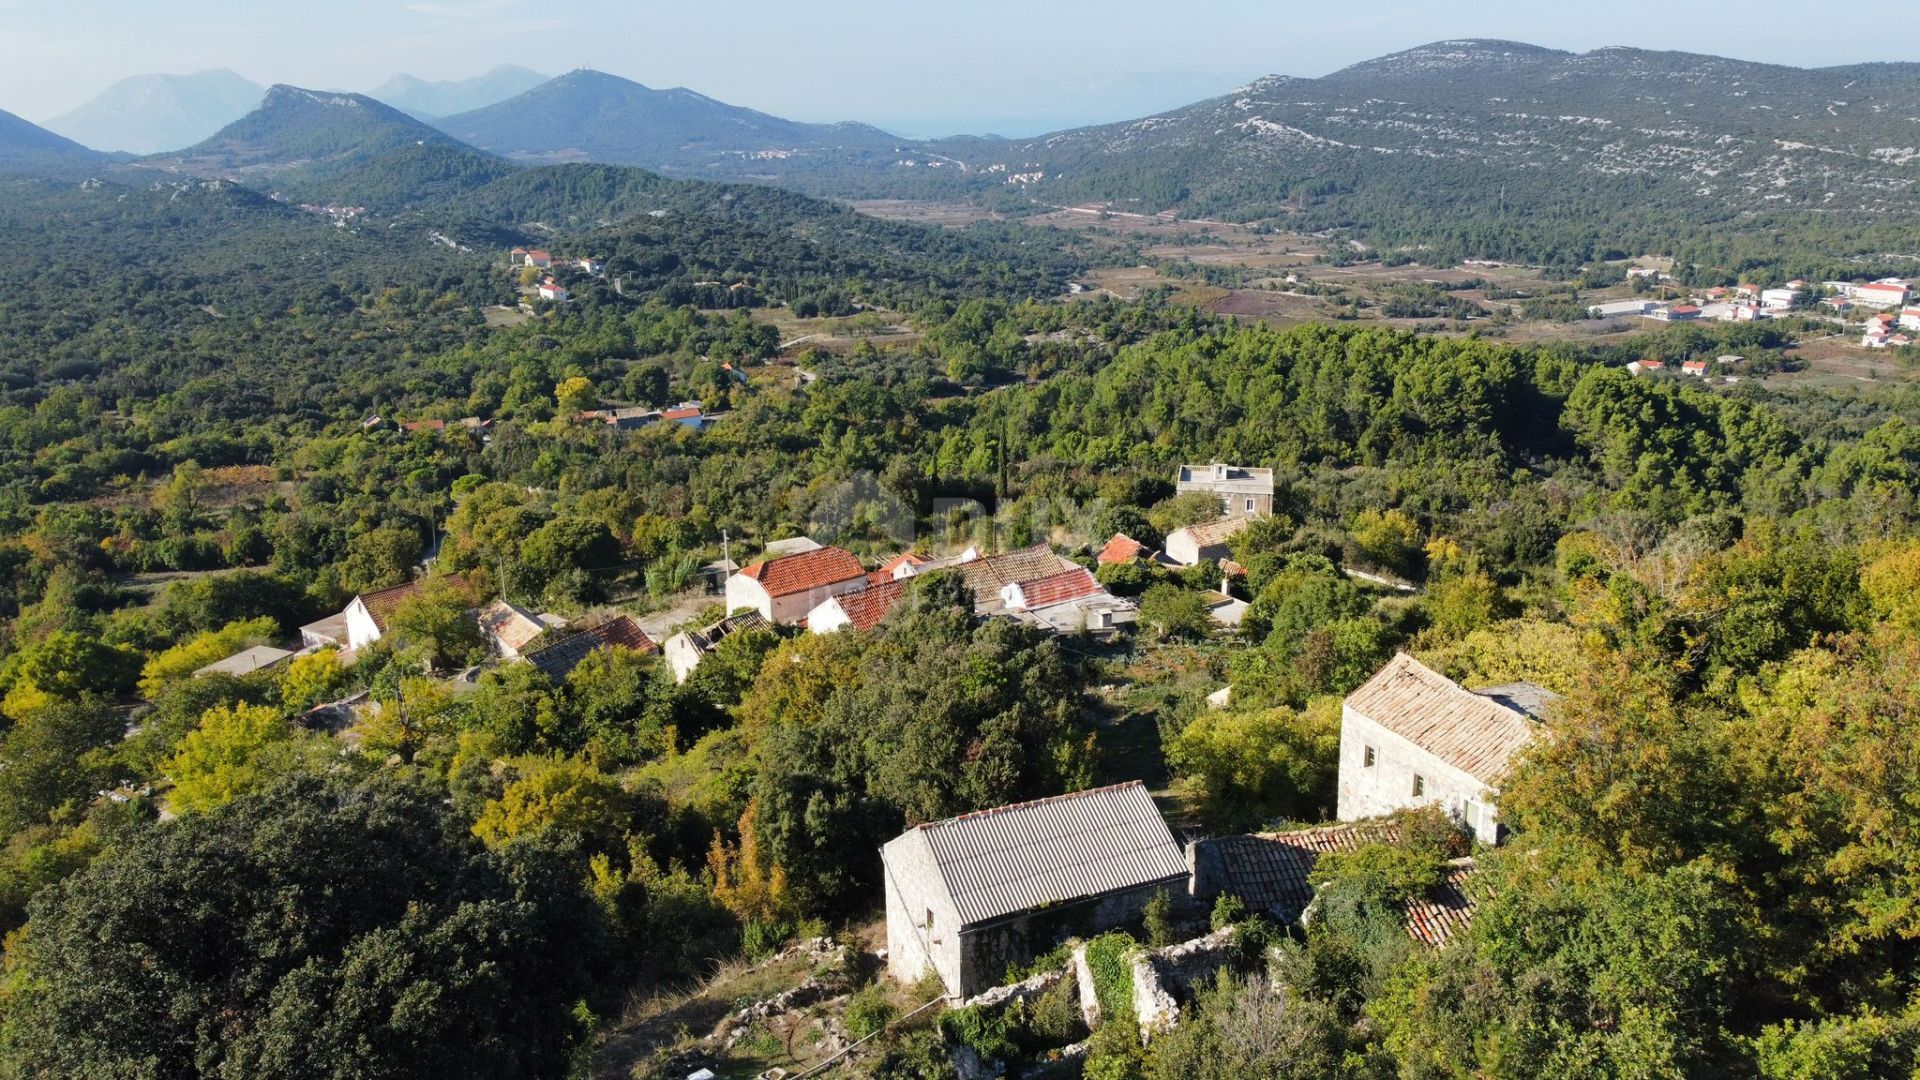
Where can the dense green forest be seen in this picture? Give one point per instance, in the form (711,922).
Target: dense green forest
(1712,870)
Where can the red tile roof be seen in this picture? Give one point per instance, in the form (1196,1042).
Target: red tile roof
(905,558)
(679,414)
(1059,588)
(1122,548)
(790,574)
(866,608)
(381,604)
(425,425)
(624,632)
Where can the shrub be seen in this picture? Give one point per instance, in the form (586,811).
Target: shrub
(1157,920)
(868,1011)
(984,1031)
(1052,1018)
(1228,909)
(1110,957)
(761,938)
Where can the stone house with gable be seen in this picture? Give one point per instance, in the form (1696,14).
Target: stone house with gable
(1411,737)
(784,588)
(968,896)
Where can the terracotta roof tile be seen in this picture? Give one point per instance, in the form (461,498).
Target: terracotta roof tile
(1471,732)
(1447,908)
(1122,548)
(559,659)
(380,604)
(867,607)
(511,625)
(809,570)
(624,632)
(1208,533)
(1059,588)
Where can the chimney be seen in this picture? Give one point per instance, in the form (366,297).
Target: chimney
(1219,471)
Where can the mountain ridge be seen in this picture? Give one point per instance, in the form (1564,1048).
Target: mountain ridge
(155,113)
(588,115)
(427,99)
(299,128)
(27,148)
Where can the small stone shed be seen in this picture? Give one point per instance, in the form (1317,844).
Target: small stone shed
(969,896)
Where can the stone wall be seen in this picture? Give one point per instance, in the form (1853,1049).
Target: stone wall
(987,951)
(1165,979)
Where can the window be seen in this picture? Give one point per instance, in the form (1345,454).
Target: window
(1419,785)
(1368,761)
(1249,506)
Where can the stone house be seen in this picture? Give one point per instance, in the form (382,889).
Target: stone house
(971,895)
(558,659)
(509,628)
(364,621)
(861,610)
(1243,491)
(1412,737)
(1272,874)
(784,588)
(685,650)
(1205,542)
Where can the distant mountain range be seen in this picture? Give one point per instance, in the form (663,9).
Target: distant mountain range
(147,114)
(1488,148)
(1457,119)
(26,147)
(427,100)
(592,116)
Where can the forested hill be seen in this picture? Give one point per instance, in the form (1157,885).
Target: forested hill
(31,149)
(592,116)
(303,129)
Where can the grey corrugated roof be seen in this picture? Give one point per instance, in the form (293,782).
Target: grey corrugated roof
(1015,858)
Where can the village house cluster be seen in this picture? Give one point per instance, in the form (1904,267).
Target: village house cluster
(969,897)
(549,287)
(1890,301)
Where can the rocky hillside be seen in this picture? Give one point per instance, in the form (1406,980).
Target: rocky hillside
(1677,127)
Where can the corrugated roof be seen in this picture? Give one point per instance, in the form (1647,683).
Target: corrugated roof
(808,570)
(1015,858)
(246,661)
(1469,731)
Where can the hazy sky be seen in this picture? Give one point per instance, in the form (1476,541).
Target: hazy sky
(918,68)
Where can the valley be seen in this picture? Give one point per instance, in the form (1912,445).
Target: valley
(1405,572)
